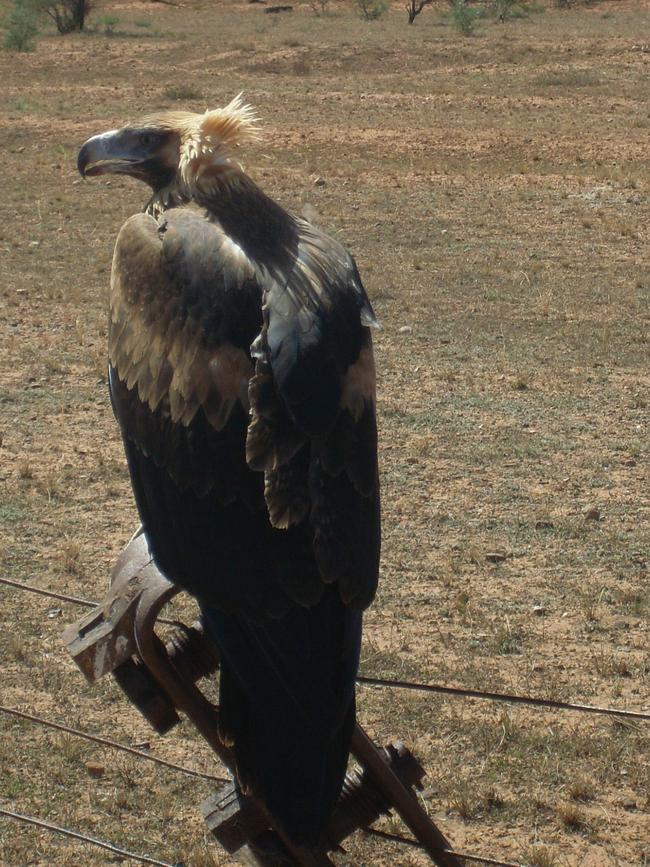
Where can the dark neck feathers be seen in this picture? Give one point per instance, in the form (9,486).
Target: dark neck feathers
(261,227)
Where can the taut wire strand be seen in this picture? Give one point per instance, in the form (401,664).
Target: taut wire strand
(62,597)
(467,856)
(501,696)
(401,684)
(115,745)
(76,835)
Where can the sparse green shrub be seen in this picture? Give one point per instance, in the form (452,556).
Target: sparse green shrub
(181,91)
(108,22)
(464,17)
(22,26)
(371,10)
(503,9)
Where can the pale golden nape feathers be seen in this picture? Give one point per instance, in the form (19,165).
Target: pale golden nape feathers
(209,139)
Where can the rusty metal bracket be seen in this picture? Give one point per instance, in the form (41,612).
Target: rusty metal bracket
(119,637)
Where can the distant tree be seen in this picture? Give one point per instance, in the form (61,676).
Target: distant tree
(68,15)
(319,7)
(414,7)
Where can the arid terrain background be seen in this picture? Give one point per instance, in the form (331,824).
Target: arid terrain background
(494,190)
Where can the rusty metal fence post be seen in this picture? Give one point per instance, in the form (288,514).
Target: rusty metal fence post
(160,679)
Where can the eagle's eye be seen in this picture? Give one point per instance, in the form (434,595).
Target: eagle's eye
(146,139)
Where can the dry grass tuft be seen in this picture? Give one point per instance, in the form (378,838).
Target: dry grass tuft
(582,789)
(462,803)
(572,817)
(70,557)
(541,856)
(25,471)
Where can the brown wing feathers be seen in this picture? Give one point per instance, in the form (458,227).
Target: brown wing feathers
(159,345)
(177,289)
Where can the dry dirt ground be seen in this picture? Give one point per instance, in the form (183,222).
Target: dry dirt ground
(494,190)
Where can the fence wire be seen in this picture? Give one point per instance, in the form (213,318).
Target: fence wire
(467,856)
(511,698)
(106,742)
(84,838)
(362,680)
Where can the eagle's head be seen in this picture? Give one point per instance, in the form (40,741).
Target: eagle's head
(173,148)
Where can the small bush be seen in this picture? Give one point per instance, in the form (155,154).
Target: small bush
(504,10)
(464,17)
(181,91)
(22,27)
(108,22)
(371,10)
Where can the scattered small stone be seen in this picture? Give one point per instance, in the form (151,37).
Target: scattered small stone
(495,556)
(319,182)
(405,329)
(629,804)
(539,610)
(544,525)
(54,612)
(95,770)
(34,243)
(537,667)
(593,514)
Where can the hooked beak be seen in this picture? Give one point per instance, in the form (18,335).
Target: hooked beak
(95,157)
(103,154)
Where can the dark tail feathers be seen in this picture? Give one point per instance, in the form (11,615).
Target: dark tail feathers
(287,706)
